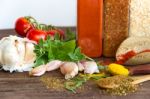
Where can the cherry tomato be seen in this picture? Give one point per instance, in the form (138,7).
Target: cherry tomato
(22,26)
(36,35)
(61,32)
(53,32)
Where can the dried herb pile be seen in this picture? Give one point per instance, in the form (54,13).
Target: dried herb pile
(125,85)
(54,83)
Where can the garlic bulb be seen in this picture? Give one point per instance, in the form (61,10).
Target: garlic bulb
(69,69)
(16,54)
(90,67)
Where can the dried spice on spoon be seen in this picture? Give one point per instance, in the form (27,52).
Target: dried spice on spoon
(118,85)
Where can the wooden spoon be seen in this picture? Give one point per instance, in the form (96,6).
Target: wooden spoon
(140,79)
(140,69)
(136,80)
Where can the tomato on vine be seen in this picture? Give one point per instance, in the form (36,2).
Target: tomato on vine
(23,25)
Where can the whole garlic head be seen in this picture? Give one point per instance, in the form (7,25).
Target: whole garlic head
(14,53)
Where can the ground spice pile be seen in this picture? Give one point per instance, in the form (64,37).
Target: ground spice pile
(124,83)
(53,82)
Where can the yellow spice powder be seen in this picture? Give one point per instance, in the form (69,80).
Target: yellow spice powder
(116,69)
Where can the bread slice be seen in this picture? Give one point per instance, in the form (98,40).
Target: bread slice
(140,48)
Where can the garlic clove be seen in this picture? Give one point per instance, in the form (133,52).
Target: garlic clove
(0,57)
(69,69)
(90,67)
(53,65)
(20,47)
(80,66)
(38,71)
(10,55)
(29,53)
(29,41)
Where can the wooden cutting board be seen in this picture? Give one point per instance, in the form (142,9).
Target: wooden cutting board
(21,86)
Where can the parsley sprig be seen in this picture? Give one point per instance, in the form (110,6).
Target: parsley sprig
(78,81)
(47,50)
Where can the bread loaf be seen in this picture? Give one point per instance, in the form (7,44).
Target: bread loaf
(116,20)
(140,18)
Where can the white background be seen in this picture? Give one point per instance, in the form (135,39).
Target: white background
(56,12)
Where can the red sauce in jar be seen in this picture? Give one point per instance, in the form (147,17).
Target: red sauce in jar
(89,27)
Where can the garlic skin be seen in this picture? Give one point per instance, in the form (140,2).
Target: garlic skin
(38,71)
(53,65)
(80,66)
(90,67)
(7,47)
(13,53)
(29,54)
(69,69)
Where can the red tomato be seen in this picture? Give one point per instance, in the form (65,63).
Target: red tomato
(53,32)
(36,35)
(22,26)
(61,32)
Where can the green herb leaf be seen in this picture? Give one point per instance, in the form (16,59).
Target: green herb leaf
(41,60)
(76,55)
(79,80)
(70,35)
(75,83)
(57,36)
(101,68)
(56,49)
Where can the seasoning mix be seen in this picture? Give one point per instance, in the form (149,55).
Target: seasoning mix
(124,83)
(54,83)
